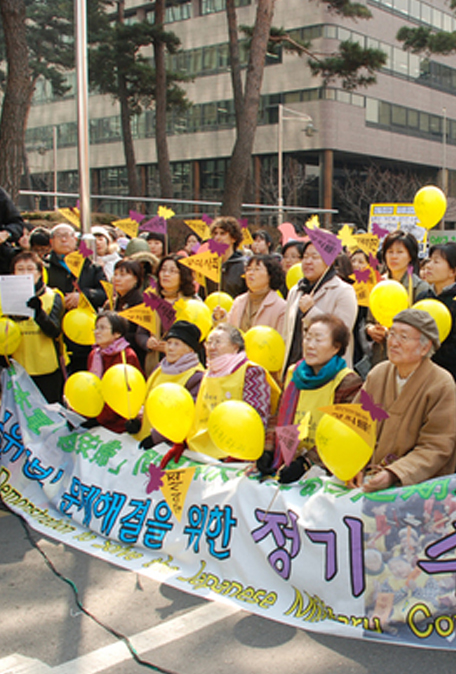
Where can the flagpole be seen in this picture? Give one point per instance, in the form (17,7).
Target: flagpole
(80,13)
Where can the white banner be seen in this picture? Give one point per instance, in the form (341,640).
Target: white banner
(313,555)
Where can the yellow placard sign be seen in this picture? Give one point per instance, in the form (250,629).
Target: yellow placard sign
(127,225)
(363,289)
(368,243)
(199,227)
(109,290)
(207,263)
(74,261)
(313,222)
(247,239)
(165,212)
(356,418)
(72,215)
(141,315)
(175,487)
(345,234)
(84,303)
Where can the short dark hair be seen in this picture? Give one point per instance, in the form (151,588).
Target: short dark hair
(118,323)
(27,255)
(340,334)
(40,236)
(186,285)
(299,245)
(447,251)
(263,234)
(131,267)
(407,240)
(229,225)
(273,267)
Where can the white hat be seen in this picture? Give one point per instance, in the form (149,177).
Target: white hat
(97,230)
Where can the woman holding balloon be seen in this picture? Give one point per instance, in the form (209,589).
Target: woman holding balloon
(322,378)
(181,365)
(112,348)
(400,254)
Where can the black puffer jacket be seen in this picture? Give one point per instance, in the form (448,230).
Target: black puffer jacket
(233,281)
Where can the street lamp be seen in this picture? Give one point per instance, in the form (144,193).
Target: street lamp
(288,114)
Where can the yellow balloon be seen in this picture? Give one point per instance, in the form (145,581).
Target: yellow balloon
(294,274)
(198,313)
(265,346)
(78,325)
(235,427)
(84,394)
(219,300)
(171,411)
(430,205)
(440,313)
(386,300)
(10,336)
(341,449)
(124,389)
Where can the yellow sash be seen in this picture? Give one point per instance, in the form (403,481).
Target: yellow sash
(312,400)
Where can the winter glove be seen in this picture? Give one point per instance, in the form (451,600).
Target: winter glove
(146,443)
(264,463)
(294,471)
(133,426)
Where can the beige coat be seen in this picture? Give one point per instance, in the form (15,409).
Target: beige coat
(421,428)
(271,311)
(333,297)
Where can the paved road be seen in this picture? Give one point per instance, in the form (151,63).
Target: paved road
(43,631)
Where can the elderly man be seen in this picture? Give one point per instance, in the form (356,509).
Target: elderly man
(63,241)
(417,440)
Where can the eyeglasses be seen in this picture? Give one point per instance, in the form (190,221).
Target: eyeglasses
(401,337)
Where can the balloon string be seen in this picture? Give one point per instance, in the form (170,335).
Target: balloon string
(124,361)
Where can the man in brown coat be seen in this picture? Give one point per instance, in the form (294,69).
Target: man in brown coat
(418,439)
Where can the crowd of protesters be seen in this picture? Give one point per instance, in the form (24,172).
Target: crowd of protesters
(334,348)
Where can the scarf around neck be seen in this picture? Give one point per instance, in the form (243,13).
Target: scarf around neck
(305,379)
(117,346)
(185,362)
(226,364)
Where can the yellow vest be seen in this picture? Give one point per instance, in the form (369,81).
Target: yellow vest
(216,390)
(159,377)
(311,401)
(36,352)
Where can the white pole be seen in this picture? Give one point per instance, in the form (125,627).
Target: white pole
(280,165)
(54,154)
(80,12)
(444,161)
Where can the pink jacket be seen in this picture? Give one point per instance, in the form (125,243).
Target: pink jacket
(271,312)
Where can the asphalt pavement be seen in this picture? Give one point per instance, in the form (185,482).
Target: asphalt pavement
(44,631)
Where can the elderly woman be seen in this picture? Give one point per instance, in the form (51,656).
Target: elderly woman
(230,376)
(181,365)
(322,378)
(227,230)
(321,291)
(399,252)
(39,350)
(261,305)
